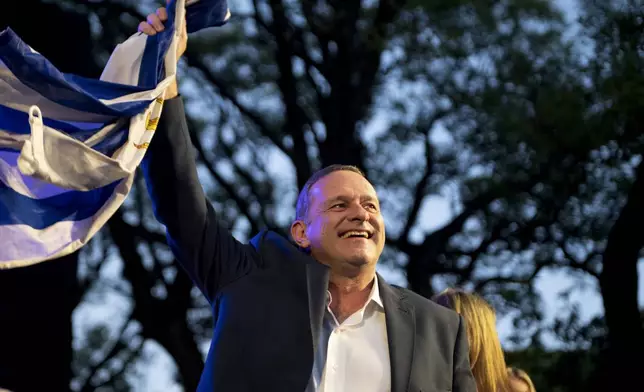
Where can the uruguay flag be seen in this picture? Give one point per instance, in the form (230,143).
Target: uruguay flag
(70,146)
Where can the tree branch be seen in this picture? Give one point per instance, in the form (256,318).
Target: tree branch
(227,93)
(160,319)
(373,45)
(248,179)
(93,270)
(320,28)
(469,209)
(420,190)
(583,265)
(130,357)
(119,345)
(480,285)
(296,118)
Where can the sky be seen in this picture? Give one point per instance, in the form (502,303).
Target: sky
(156,376)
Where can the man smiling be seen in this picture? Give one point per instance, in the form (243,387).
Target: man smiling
(309,314)
(338,219)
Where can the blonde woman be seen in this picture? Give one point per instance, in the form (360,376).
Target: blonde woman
(486,355)
(520,381)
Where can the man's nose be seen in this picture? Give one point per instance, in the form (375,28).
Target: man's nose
(359,213)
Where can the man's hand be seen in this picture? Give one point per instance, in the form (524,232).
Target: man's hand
(154,24)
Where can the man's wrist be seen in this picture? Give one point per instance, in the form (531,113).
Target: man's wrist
(172,91)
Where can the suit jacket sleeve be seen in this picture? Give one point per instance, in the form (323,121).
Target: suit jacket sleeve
(206,250)
(463,378)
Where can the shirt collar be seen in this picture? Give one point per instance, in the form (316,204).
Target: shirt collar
(373,296)
(375,292)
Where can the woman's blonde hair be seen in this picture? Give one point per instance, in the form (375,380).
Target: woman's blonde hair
(486,355)
(523,376)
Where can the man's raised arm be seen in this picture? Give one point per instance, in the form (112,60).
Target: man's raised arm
(207,250)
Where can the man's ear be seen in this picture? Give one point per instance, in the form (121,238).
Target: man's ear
(298,233)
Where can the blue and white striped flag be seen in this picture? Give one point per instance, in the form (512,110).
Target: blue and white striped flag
(70,146)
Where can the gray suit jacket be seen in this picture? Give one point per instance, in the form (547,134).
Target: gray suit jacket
(268,297)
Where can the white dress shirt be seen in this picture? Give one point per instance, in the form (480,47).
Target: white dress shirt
(353,356)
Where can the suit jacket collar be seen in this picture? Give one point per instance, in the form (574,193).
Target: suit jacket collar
(317,283)
(401,333)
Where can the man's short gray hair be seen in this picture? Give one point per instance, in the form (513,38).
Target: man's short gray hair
(304,199)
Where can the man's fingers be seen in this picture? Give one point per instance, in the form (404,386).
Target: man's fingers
(155,22)
(162,14)
(145,28)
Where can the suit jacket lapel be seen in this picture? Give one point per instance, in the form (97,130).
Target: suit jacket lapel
(401,333)
(317,279)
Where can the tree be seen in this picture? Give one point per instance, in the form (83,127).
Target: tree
(482,104)
(617,29)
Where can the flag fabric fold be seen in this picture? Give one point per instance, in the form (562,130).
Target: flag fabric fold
(70,146)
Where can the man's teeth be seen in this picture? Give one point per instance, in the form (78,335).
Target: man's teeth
(348,234)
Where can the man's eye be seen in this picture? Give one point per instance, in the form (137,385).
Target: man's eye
(339,205)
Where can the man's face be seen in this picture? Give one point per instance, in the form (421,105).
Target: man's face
(345,229)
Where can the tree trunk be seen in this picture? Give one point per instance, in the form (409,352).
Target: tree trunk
(618,285)
(36,305)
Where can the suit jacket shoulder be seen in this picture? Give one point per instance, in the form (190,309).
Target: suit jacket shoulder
(274,248)
(428,309)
